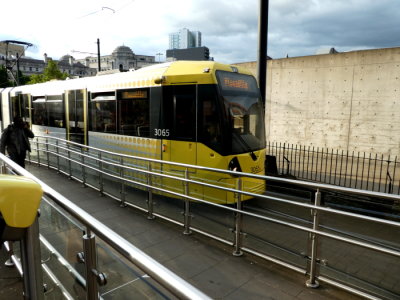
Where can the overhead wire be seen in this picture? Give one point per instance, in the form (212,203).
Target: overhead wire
(108,8)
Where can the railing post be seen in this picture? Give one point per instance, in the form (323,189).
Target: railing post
(150,203)
(83,167)
(29,157)
(47,153)
(89,248)
(3,168)
(101,183)
(187,216)
(31,261)
(121,174)
(37,151)
(312,282)
(69,161)
(58,157)
(238,220)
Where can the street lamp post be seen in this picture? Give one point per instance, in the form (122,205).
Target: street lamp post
(159,55)
(98,55)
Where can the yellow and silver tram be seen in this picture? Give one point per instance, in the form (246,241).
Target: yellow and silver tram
(201,113)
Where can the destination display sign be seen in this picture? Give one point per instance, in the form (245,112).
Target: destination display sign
(134,94)
(236,82)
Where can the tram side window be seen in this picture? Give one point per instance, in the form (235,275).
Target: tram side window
(55,109)
(39,116)
(79,106)
(71,108)
(75,108)
(20,106)
(48,111)
(16,106)
(134,116)
(103,112)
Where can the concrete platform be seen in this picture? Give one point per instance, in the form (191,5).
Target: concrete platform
(11,285)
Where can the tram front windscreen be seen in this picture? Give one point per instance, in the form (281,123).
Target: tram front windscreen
(244,111)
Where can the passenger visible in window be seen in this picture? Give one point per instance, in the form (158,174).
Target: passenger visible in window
(15,140)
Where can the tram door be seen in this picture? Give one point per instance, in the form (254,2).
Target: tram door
(20,107)
(179,144)
(76,116)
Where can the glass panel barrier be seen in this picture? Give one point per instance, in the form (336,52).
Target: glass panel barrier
(123,281)
(61,242)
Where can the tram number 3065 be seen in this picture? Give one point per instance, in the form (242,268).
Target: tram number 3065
(161,132)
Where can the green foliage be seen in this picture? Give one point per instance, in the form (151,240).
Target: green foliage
(50,72)
(23,79)
(36,78)
(4,82)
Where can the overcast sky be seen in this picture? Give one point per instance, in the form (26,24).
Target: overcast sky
(229,27)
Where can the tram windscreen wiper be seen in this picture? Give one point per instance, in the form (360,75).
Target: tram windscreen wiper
(246,146)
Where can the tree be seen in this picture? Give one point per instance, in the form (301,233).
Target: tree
(4,82)
(23,79)
(50,72)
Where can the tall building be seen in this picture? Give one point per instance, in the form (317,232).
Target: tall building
(184,39)
(198,53)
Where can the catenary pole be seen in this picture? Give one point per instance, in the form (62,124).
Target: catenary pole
(98,55)
(262,46)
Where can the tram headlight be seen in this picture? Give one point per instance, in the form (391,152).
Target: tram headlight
(234,165)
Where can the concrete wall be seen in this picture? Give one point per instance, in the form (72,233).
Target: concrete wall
(348,101)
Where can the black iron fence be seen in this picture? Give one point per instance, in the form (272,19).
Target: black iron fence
(359,170)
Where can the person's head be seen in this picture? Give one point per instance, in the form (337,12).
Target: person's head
(18,121)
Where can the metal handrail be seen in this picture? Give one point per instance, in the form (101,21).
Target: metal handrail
(306,184)
(315,208)
(315,186)
(176,285)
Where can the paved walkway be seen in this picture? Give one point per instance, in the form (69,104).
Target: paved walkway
(205,263)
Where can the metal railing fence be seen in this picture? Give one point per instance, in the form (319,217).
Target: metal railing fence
(358,170)
(317,230)
(93,228)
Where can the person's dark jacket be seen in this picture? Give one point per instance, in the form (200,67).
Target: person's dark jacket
(11,141)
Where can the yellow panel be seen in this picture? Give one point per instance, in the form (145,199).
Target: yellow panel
(194,71)
(19,200)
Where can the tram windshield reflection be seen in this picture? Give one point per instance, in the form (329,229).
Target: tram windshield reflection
(244,110)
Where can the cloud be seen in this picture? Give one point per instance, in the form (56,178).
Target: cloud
(229,28)
(345,25)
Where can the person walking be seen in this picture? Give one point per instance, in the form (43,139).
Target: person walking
(15,140)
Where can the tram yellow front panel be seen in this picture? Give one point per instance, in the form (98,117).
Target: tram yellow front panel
(209,158)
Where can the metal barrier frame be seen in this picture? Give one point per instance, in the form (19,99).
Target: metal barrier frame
(169,280)
(315,208)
